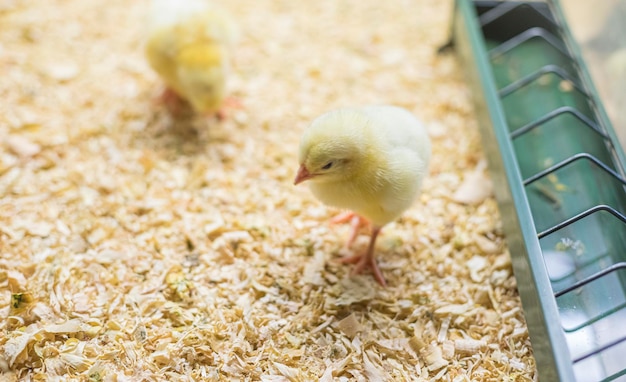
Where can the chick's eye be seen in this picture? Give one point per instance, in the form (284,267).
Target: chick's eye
(327,166)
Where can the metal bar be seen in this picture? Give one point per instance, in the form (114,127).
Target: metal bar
(614,376)
(599,350)
(595,276)
(569,160)
(555,113)
(574,219)
(504,8)
(596,318)
(525,36)
(550,68)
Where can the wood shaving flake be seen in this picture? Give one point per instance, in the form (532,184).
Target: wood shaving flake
(76,362)
(16,279)
(62,71)
(454,309)
(475,265)
(328,375)
(290,372)
(469,346)
(22,146)
(312,273)
(350,325)
(70,326)
(433,356)
(500,277)
(443,330)
(417,344)
(447,349)
(476,187)
(519,332)
(394,344)
(323,325)
(352,290)
(485,245)
(461,378)
(16,345)
(502,261)
(372,365)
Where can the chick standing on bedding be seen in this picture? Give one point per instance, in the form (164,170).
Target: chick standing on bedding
(369,160)
(188,45)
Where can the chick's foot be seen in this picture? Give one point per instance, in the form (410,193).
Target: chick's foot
(174,104)
(229,103)
(362,262)
(367,260)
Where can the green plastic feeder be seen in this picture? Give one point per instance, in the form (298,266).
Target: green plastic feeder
(559,179)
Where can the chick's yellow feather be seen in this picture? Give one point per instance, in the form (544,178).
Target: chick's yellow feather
(376,159)
(189,46)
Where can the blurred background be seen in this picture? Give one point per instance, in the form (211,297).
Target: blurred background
(599,28)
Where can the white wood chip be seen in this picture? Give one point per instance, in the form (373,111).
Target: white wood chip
(312,273)
(454,309)
(290,372)
(475,265)
(476,187)
(433,357)
(62,71)
(469,346)
(372,369)
(443,329)
(15,346)
(70,326)
(22,146)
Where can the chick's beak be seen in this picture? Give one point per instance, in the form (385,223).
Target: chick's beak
(303,174)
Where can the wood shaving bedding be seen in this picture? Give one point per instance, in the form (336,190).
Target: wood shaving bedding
(135,245)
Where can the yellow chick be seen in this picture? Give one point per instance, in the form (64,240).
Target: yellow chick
(369,160)
(189,46)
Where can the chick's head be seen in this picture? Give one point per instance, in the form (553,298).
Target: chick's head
(332,149)
(201,74)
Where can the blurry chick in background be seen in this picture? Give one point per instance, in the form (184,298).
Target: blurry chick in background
(189,45)
(369,160)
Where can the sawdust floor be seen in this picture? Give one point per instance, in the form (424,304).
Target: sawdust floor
(138,246)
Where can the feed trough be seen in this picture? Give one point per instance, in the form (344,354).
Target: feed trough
(558,169)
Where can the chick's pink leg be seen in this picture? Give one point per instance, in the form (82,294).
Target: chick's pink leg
(367,260)
(172,101)
(356,221)
(229,103)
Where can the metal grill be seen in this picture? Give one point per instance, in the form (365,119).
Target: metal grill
(559,175)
